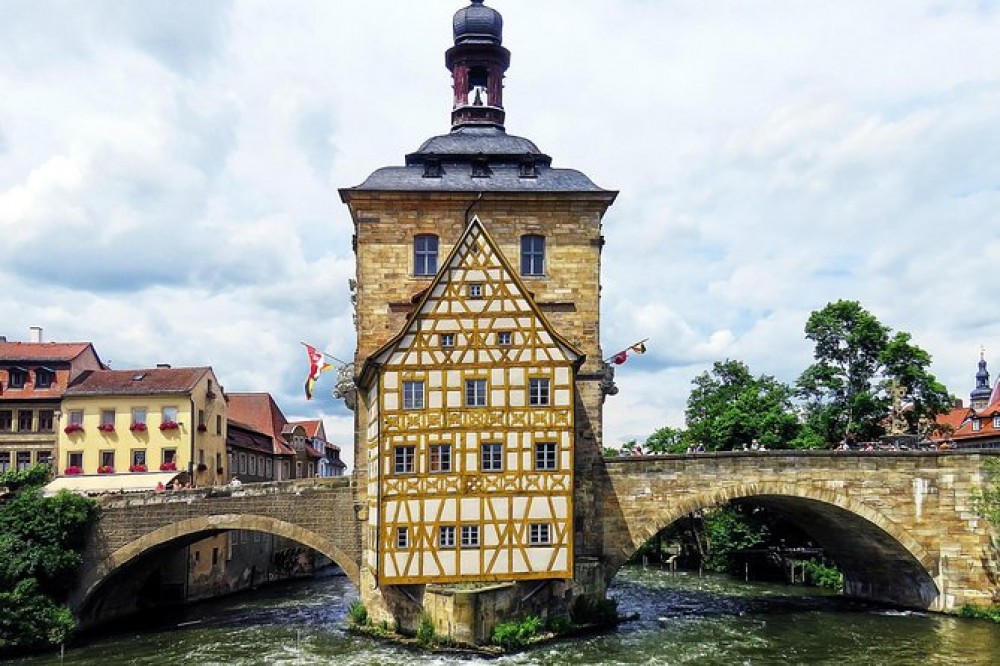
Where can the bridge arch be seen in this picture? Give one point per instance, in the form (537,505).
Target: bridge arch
(192,529)
(880,559)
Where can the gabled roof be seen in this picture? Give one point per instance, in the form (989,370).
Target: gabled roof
(475,227)
(261,412)
(153,381)
(39,352)
(248,437)
(313,427)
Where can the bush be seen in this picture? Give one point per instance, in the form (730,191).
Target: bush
(823,576)
(981,612)
(357,614)
(425,632)
(560,624)
(515,635)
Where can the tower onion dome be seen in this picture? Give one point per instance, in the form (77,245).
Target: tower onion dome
(478,24)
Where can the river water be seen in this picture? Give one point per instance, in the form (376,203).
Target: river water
(684,619)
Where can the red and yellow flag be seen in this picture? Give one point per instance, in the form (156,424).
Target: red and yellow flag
(316,367)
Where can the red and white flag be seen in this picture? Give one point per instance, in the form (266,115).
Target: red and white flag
(316,367)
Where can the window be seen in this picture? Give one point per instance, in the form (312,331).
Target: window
(492,458)
(215,556)
(76,417)
(218,463)
(44,378)
(298,469)
(108,418)
(201,419)
(270,468)
(538,392)
(218,424)
(4,461)
(446,536)
(75,460)
(402,538)
(475,290)
(43,457)
(503,339)
(413,395)
(138,458)
(170,455)
(46,420)
(404,456)
(201,456)
(996,421)
(108,459)
(977,425)
(243,463)
(25,418)
(16,378)
(425,254)
(532,255)
(138,415)
(6,420)
(545,456)
(168,414)
(539,534)
(475,392)
(447,339)
(23,460)
(470,536)
(440,455)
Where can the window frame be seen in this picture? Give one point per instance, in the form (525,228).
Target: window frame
(491,457)
(44,378)
(402,538)
(7,420)
(21,414)
(447,537)
(469,536)
(533,255)
(5,461)
(425,257)
(441,463)
(75,417)
(404,459)
(138,457)
(504,338)
(474,290)
(479,398)
(536,398)
(539,534)
(410,400)
(546,457)
(21,378)
(46,420)
(977,425)
(447,340)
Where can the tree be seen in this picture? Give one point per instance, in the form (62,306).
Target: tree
(666,440)
(845,392)
(729,407)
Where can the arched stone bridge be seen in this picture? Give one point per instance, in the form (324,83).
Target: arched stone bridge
(901,525)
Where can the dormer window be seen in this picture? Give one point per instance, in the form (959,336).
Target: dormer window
(44,378)
(528,169)
(433,169)
(481,168)
(977,425)
(996,422)
(17,378)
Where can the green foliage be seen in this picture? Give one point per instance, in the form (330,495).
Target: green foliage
(845,392)
(610,452)
(41,545)
(987,498)
(357,614)
(425,631)
(560,624)
(823,576)
(729,407)
(728,531)
(981,612)
(589,610)
(14,480)
(666,440)
(515,635)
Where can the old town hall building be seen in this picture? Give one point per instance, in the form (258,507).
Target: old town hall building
(479,368)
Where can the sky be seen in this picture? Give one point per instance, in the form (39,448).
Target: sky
(169,173)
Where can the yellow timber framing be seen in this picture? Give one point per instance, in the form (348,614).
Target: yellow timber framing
(501,504)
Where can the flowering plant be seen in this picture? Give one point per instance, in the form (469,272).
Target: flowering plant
(202,427)
(168,467)
(105,469)
(72,470)
(137,427)
(137,468)
(169,425)
(106,427)
(73,427)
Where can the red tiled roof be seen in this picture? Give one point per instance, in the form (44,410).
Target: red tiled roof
(42,351)
(312,427)
(136,382)
(260,412)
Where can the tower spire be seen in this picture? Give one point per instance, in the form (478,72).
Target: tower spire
(980,396)
(477,63)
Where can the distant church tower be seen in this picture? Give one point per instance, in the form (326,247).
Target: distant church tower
(980,396)
(480,379)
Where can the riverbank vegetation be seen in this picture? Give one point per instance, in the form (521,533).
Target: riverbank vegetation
(987,502)
(41,546)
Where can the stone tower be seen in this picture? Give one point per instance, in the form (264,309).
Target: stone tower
(480,379)
(979,398)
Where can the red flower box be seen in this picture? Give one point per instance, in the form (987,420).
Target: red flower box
(137,427)
(72,471)
(73,427)
(137,468)
(106,427)
(168,467)
(105,469)
(169,425)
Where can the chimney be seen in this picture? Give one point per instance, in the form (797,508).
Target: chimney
(35,334)
(3,338)
(164,366)
(958,403)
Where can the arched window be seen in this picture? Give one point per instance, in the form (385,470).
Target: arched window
(425,254)
(532,255)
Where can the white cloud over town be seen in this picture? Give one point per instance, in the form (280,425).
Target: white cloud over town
(169,174)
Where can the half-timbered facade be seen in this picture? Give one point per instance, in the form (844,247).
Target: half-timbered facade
(470,433)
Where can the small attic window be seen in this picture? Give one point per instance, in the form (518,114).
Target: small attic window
(139,377)
(433,169)
(528,169)
(481,168)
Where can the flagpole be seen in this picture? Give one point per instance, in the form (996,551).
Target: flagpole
(634,344)
(340,361)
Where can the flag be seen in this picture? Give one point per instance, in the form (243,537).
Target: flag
(620,357)
(638,348)
(316,367)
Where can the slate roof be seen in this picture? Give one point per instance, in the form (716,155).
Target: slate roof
(42,351)
(248,437)
(153,381)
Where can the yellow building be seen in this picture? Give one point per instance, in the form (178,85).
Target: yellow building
(137,422)
(470,432)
